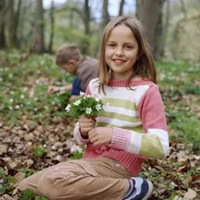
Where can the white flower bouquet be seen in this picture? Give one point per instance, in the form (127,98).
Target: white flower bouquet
(85,105)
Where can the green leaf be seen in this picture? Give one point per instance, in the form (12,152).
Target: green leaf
(28,194)
(39,151)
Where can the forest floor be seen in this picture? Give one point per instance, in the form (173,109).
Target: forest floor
(35,131)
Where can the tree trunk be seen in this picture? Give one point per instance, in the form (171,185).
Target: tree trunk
(106,17)
(13,18)
(17,17)
(150,14)
(165,28)
(87,17)
(52,27)
(183,8)
(38,37)
(121,6)
(2,24)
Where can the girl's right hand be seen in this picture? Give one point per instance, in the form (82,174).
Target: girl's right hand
(85,125)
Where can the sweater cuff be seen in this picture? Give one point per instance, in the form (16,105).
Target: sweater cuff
(82,140)
(78,137)
(121,138)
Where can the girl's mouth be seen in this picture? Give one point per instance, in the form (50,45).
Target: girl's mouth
(118,62)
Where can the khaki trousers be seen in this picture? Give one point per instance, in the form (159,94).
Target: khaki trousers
(84,179)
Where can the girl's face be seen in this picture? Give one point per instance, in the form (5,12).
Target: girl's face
(121,52)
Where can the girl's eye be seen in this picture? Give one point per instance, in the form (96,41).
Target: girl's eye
(129,47)
(111,44)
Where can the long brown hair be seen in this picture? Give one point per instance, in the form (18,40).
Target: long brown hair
(144,66)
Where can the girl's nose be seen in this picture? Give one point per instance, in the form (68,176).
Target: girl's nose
(119,52)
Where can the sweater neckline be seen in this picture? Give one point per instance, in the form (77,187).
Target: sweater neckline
(127,83)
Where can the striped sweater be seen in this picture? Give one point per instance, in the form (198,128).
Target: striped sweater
(136,114)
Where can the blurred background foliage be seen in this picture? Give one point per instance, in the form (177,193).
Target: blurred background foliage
(172,26)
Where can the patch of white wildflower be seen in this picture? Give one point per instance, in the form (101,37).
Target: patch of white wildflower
(88,111)
(85,105)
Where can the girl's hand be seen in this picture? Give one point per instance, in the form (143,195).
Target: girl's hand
(100,135)
(85,125)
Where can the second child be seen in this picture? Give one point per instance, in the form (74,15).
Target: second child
(83,68)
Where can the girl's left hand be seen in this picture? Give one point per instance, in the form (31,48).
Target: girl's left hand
(100,135)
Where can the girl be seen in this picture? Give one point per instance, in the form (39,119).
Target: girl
(131,128)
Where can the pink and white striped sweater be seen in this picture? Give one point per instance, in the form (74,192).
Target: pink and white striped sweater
(138,120)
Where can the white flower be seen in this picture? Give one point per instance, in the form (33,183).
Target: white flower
(98,107)
(25,89)
(22,96)
(97,100)
(78,102)
(68,108)
(17,107)
(82,94)
(88,111)
(74,148)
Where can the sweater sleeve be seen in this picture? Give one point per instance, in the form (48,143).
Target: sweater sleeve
(154,143)
(78,137)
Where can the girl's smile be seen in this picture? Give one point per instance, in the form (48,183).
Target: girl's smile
(121,52)
(118,61)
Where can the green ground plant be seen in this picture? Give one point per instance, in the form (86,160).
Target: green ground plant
(24,87)
(24,82)
(179,83)
(24,99)
(6,182)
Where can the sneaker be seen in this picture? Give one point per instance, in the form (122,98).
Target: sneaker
(139,189)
